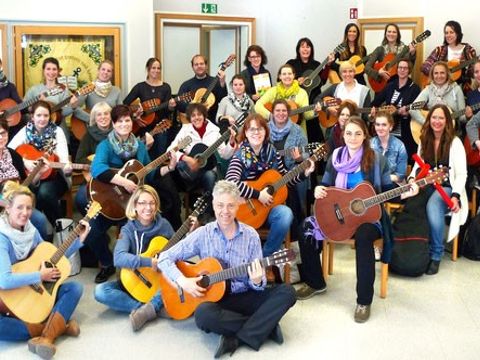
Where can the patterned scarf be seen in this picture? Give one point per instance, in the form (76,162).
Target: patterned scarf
(43,139)
(242,104)
(126,150)
(7,170)
(276,133)
(102,89)
(22,241)
(3,79)
(290,93)
(256,164)
(344,164)
(439,92)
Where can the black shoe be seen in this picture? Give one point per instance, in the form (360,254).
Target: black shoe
(104,274)
(226,345)
(276,335)
(433,267)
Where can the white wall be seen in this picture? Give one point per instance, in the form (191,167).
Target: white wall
(137,44)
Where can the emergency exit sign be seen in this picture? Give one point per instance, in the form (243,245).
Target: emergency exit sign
(209,8)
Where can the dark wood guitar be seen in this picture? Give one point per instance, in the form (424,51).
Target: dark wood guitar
(114,198)
(10,110)
(180,305)
(143,283)
(253,212)
(342,211)
(34,303)
(56,115)
(311,80)
(389,63)
(473,155)
(203,153)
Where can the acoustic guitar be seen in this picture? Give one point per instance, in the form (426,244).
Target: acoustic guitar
(311,80)
(114,198)
(10,110)
(253,212)
(455,68)
(144,282)
(473,155)
(309,148)
(203,153)
(342,211)
(56,114)
(180,304)
(151,106)
(34,303)
(390,61)
(356,60)
(30,152)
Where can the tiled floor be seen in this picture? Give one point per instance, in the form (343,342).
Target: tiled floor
(430,317)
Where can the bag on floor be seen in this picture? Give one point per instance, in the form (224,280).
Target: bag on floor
(63,227)
(471,240)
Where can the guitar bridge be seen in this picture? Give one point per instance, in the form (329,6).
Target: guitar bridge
(142,278)
(339,215)
(252,207)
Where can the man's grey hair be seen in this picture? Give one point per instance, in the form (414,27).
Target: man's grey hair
(226,187)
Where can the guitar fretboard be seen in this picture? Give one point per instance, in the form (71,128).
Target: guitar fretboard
(66,244)
(387,195)
(236,271)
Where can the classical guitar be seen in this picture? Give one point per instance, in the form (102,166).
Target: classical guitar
(30,152)
(309,148)
(389,63)
(144,282)
(342,211)
(33,303)
(203,153)
(160,128)
(151,106)
(473,155)
(114,198)
(10,110)
(455,68)
(56,115)
(180,305)
(295,111)
(253,212)
(311,80)
(356,60)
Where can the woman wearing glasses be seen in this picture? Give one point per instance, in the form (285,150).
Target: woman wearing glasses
(255,61)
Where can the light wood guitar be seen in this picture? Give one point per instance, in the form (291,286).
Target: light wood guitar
(390,61)
(342,211)
(253,212)
(34,303)
(114,198)
(311,80)
(144,282)
(180,305)
(356,60)
(56,114)
(455,68)
(10,110)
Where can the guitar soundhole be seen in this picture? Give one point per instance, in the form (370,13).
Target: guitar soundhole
(49,285)
(357,207)
(204,282)
(132,177)
(270,189)
(307,82)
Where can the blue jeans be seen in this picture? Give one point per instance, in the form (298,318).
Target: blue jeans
(114,295)
(81,199)
(436,210)
(68,296)
(279,221)
(39,220)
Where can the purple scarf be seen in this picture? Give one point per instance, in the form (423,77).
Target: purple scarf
(345,165)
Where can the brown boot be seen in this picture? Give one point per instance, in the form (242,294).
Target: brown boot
(35,329)
(73,329)
(43,345)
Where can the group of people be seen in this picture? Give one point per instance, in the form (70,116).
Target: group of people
(250,130)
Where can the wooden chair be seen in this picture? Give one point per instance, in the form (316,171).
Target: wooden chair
(327,261)
(263,233)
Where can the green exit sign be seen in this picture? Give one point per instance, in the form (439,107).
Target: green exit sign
(209,8)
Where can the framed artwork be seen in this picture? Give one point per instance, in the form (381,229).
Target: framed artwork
(372,31)
(79,51)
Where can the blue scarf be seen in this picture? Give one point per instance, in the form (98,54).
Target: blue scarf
(256,164)
(276,133)
(126,150)
(43,139)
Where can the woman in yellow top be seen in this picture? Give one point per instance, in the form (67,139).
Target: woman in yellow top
(287,88)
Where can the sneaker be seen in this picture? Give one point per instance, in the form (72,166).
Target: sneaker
(362,313)
(306,292)
(432,268)
(142,315)
(226,345)
(378,253)
(104,274)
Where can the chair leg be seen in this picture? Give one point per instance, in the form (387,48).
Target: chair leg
(331,248)
(326,246)
(287,268)
(384,280)
(455,249)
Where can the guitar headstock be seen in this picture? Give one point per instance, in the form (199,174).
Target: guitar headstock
(437,176)
(421,37)
(187,97)
(340,48)
(320,152)
(183,143)
(93,210)
(85,90)
(201,204)
(417,105)
(331,101)
(281,257)
(311,147)
(163,125)
(227,62)
(388,108)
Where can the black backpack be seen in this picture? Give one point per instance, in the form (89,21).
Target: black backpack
(471,240)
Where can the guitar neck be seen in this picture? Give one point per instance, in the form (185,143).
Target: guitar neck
(156,108)
(317,70)
(69,241)
(457,114)
(22,105)
(181,232)
(61,104)
(210,88)
(75,166)
(302,109)
(29,179)
(464,64)
(387,195)
(236,271)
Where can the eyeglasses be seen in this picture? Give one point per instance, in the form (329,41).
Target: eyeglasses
(402,67)
(146,203)
(254,130)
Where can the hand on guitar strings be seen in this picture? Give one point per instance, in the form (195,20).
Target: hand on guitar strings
(412,191)
(265,198)
(50,274)
(85,230)
(172,164)
(256,272)
(320,192)
(148,140)
(190,285)
(191,162)
(73,102)
(194,223)
(221,77)
(310,169)
(67,168)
